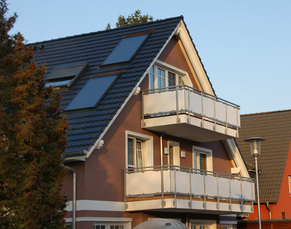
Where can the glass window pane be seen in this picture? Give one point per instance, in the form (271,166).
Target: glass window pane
(161,78)
(171,155)
(152,78)
(180,80)
(139,153)
(195,160)
(202,161)
(130,150)
(171,79)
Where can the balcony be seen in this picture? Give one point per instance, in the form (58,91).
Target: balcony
(178,188)
(186,112)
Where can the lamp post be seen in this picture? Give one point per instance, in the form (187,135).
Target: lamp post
(255,144)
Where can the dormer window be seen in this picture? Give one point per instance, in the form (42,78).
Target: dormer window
(64,77)
(163,75)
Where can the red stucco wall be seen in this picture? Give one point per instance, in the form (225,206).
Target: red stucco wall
(284,202)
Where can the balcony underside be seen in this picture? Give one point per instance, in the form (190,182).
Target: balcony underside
(188,204)
(193,128)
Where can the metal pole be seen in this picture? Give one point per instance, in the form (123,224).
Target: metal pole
(74,195)
(258,192)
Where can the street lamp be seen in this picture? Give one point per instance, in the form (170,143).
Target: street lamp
(255,144)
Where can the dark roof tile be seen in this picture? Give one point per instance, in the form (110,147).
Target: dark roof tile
(93,48)
(275,127)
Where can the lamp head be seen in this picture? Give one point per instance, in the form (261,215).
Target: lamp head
(255,144)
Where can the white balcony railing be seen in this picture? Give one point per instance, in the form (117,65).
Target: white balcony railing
(204,189)
(196,107)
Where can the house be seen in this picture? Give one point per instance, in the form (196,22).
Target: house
(274,165)
(148,136)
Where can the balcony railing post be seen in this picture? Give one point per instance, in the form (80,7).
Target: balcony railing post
(217,186)
(189,106)
(230,203)
(162,184)
(214,114)
(204,183)
(177,104)
(125,189)
(202,111)
(142,107)
(241,195)
(190,183)
(175,186)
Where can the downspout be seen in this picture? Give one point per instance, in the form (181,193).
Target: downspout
(74,194)
(269,210)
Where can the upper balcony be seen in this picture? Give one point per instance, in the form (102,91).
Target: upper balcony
(186,189)
(186,112)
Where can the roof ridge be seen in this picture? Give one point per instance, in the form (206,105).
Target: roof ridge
(104,31)
(267,112)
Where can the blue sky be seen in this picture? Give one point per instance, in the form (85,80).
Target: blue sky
(245,45)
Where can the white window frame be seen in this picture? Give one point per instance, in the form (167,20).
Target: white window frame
(210,223)
(200,150)
(108,224)
(227,226)
(179,73)
(176,152)
(147,148)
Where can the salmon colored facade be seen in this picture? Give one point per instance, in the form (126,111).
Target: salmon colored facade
(106,194)
(282,207)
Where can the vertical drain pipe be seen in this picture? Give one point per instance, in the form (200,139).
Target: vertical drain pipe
(268,208)
(74,195)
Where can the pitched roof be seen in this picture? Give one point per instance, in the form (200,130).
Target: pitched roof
(275,127)
(87,125)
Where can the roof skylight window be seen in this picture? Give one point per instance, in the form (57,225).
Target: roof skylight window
(126,49)
(65,76)
(92,93)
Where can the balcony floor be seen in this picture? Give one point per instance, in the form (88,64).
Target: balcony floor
(190,127)
(188,204)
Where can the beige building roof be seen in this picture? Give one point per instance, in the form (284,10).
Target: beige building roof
(275,127)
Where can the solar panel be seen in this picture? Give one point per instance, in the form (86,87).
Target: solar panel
(92,92)
(65,75)
(125,49)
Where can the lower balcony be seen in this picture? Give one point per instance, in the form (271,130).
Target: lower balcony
(169,188)
(188,113)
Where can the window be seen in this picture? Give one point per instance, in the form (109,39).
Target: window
(92,92)
(202,158)
(203,224)
(226,226)
(126,49)
(163,75)
(68,226)
(109,226)
(65,76)
(174,153)
(199,226)
(135,153)
(139,150)
(160,78)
